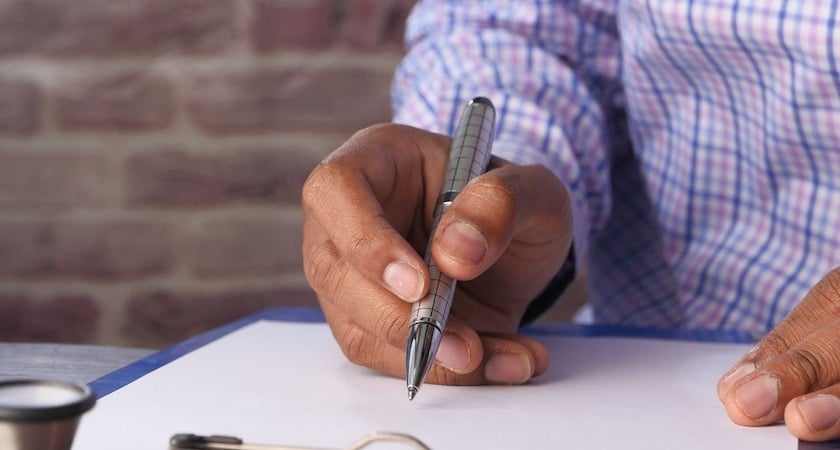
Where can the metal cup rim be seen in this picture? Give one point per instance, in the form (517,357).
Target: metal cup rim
(70,410)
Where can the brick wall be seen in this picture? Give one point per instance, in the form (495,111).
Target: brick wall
(152,152)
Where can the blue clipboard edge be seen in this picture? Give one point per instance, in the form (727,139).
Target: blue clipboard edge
(128,374)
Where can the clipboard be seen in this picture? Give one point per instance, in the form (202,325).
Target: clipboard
(477,404)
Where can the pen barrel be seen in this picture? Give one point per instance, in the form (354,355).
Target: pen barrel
(469,156)
(434,307)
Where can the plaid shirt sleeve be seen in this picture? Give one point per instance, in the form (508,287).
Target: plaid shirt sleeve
(551,70)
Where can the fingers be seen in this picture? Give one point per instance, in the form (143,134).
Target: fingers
(371,326)
(759,397)
(816,416)
(820,307)
(355,199)
(354,221)
(793,373)
(505,359)
(345,294)
(497,359)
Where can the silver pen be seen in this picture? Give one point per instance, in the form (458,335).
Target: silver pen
(468,158)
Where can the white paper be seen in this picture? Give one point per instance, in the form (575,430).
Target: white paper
(288,383)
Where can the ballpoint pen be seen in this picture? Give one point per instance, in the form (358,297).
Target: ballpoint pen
(468,158)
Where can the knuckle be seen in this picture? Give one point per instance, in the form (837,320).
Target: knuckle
(832,279)
(807,366)
(817,361)
(441,375)
(319,265)
(391,324)
(771,345)
(828,292)
(360,241)
(374,131)
(353,343)
(496,191)
(327,273)
(317,184)
(364,349)
(369,246)
(489,193)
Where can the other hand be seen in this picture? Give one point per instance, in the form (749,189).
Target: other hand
(793,372)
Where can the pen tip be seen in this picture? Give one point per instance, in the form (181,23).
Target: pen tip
(412,391)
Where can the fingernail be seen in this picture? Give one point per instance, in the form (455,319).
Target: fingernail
(758,397)
(403,280)
(453,353)
(508,368)
(734,374)
(463,241)
(820,412)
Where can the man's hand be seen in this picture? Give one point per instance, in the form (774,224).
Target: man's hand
(367,213)
(794,372)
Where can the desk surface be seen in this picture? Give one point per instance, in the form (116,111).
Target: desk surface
(77,363)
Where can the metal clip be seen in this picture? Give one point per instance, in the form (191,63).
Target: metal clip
(195,442)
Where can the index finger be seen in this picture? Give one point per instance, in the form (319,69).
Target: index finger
(368,194)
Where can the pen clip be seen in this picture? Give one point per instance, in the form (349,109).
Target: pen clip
(216,442)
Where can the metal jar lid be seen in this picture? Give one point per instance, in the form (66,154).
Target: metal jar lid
(43,400)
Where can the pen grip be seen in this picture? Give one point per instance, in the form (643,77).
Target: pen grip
(434,307)
(469,157)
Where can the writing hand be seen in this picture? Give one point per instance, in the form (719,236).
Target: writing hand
(793,372)
(367,213)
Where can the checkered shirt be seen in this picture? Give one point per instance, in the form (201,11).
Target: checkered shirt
(699,139)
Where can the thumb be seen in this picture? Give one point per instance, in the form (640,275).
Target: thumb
(513,223)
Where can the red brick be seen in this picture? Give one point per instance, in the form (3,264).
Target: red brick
(20,102)
(251,246)
(374,24)
(303,24)
(124,27)
(307,98)
(83,249)
(128,101)
(314,24)
(162,318)
(63,318)
(178,178)
(53,180)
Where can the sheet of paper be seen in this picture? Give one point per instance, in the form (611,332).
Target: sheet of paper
(288,383)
